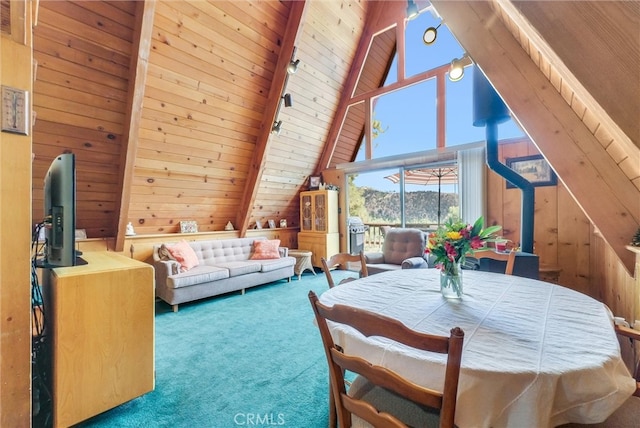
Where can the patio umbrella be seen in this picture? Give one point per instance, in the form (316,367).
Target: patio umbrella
(429,176)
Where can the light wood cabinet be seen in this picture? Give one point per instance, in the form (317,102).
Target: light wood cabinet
(319,211)
(319,224)
(102,322)
(320,244)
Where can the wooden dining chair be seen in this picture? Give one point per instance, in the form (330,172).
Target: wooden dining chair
(344,261)
(379,396)
(627,415)
(489,253)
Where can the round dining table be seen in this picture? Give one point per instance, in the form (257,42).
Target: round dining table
(535,354)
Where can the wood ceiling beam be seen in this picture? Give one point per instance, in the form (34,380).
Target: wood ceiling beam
(380,15)
(438,72)
(145,11)
(294,28)
(594,180)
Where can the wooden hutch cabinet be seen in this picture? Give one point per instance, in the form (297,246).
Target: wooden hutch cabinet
(319,224)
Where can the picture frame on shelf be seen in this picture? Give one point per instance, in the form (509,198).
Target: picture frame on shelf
(188,226)
(314,182)
(533,168)
(272,224)
(283,222)
(258,224)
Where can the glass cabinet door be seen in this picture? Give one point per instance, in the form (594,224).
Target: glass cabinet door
(306,220)
(320,212)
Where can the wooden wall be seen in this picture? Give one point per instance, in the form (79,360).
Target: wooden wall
(83,51)
(561,230)
(212,80)
(564,238)
(15,228)
(210,70)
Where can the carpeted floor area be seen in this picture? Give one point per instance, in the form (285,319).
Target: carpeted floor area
(236,360)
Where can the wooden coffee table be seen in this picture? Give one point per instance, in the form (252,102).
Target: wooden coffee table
(303,261)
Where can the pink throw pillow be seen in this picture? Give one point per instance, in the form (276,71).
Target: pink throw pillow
(184,254)
(266,249)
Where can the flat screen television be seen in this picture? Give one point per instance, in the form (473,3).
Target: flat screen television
(60,212)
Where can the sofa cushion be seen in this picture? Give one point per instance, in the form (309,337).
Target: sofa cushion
(215,251)
(274,264)
(266,249)
(240,267)
(164,254)
(184,254)
(197,275)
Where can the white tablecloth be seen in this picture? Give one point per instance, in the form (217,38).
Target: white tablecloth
(535,354)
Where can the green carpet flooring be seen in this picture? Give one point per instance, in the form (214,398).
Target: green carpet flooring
(235,360)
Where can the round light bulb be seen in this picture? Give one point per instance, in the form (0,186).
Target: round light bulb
(456,72)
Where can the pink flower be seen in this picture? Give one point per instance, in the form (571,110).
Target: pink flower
(476,242)
(451,251)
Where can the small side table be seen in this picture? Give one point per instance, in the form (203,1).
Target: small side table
(303,261)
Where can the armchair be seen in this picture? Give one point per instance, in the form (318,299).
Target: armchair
(403,248)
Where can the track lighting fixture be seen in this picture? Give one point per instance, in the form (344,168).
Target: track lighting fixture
(288,101)
(412,9)
(293,66)
(276,128)
(430,34)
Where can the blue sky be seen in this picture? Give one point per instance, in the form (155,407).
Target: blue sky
(409,116)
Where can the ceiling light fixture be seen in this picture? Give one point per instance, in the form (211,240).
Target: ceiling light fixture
(277,127)
(430,34)
(293,66)
(412,10)
(456,71)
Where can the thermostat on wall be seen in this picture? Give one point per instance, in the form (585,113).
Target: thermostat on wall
(15,107)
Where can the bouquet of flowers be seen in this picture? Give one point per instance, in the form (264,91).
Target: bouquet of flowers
(452,242)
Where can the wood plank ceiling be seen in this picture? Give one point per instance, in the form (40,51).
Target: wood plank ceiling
(211,89)
(83,52)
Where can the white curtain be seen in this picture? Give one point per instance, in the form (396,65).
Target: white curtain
(473,186)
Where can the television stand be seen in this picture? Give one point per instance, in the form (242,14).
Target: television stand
(102,334)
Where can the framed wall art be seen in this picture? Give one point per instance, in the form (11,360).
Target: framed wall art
(188,226)
(534,168)
(314,182)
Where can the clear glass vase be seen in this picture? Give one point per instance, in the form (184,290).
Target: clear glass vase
(451,281)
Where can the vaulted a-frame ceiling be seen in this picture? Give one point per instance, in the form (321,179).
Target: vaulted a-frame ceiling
(169,105)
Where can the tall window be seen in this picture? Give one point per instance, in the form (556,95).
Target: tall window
(406,121)
(402,125)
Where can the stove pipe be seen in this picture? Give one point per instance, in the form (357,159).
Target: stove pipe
(489,111)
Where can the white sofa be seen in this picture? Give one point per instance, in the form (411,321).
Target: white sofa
(224,265)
